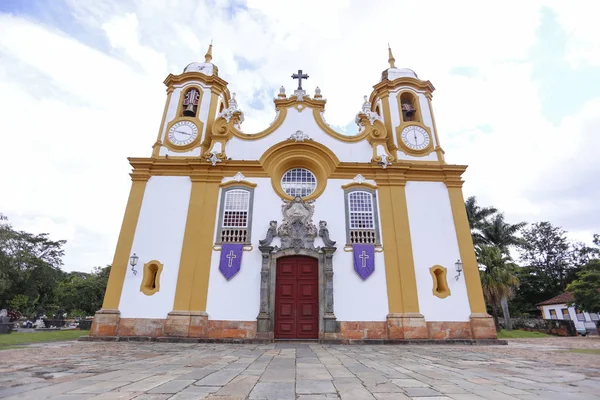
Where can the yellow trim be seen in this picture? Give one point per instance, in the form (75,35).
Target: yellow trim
(438,147)
(145,286)
(120,262)
(466,249)
(207,144)
(359,185)
(158,143)
(405,263)
(216,83)
(387,120)
(224,129)
(388,230)
(236,183)
(311,155)
(344,138)
(195,143)
(440,281)
(204,243)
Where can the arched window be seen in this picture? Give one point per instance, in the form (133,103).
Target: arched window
(298,182)
(235,216)
(362,225)
(190,103)
(408,104)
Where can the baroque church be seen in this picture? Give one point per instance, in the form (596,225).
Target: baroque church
(297,231)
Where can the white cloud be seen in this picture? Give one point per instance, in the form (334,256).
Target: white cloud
(72,112)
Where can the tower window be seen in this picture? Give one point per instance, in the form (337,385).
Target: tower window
(362,225)
(440,284)
(235,219)
(190,102)
(408,104)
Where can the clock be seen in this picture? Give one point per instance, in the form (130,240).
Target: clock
(415,138)
(183,133)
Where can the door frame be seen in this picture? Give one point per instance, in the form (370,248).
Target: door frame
(266,316)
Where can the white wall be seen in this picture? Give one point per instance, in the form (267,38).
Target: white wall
(158,236)
(434,242)
(558,308)
(294,121)
(354,299)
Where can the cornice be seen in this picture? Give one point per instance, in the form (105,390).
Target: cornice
(218,85)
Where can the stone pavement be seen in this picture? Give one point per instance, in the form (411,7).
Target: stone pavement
(143,371)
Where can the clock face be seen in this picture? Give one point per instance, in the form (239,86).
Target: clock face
(182,133)
(415,137)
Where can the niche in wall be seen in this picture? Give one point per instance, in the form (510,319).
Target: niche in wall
(151,279)
(440,283)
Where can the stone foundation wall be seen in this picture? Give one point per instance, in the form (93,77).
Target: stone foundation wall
(198,326)
(556,327)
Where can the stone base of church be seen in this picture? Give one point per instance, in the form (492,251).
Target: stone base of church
(185,324)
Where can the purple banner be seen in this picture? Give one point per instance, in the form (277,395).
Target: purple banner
(231,259)
(364,259)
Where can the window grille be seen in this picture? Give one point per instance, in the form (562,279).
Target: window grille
(298,182)
(553,314)
(361,217)
(580,315)
(234,225)
(565,313)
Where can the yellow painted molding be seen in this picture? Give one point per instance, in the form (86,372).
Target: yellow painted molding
(386,86)
(359,185)
(438,148)
(151,278)
(156,146)
(466,250)
(314,156)
(182,94)
(217,84)
(307,102)
(120,262)
(440,281)
(343,138)
(236,183)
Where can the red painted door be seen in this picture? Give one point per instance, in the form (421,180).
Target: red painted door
(297,298)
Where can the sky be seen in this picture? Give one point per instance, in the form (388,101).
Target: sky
(517,95)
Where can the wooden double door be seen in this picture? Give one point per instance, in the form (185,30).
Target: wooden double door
(297,298)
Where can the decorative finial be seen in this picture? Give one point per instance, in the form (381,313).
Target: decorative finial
(318,93)
(208,55)
(391,58)
(281,92)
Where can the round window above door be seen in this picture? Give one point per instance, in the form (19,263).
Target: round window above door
(298,182)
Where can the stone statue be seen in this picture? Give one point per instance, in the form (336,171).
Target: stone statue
(271,233)
(324,234)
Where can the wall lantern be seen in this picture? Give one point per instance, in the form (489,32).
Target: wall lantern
(133,260)
(459,267)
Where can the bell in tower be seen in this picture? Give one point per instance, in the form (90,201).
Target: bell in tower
(190,102)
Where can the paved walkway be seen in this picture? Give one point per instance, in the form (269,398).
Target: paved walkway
(141,371)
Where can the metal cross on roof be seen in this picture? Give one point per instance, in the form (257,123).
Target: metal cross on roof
(300,76)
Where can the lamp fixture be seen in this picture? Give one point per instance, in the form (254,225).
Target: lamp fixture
(459,267)
(133,260)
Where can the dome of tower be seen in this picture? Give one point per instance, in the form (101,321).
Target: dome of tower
(394,73)
(206,67)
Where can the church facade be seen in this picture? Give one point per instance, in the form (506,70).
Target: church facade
(297,231)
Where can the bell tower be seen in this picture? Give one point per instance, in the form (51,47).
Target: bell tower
(194,98)
(404,102)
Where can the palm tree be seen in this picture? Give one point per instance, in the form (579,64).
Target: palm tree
(501,234)
(498,279)
(477,217)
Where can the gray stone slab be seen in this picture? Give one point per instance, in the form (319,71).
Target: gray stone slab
(172,386)
(273,391)
(240,386)
(219,378)
(314,387)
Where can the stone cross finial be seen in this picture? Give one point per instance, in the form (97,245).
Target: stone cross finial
(300,76)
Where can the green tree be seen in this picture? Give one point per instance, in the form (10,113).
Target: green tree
(586,288)
(501,234)
(498,279)
(82,291)
(477,217)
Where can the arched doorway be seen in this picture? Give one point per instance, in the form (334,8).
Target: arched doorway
(297,298)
